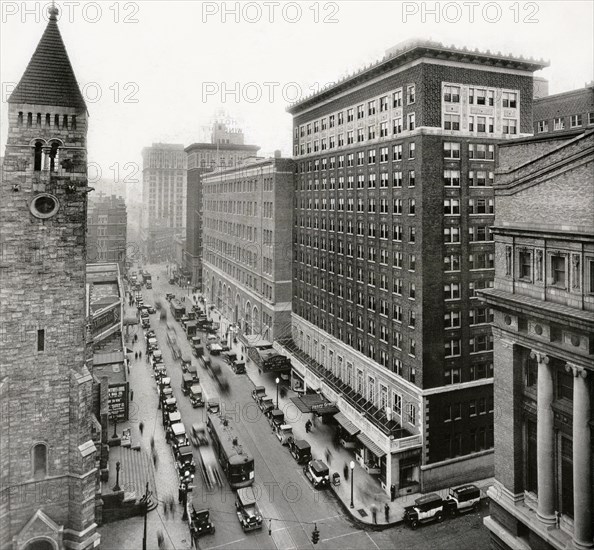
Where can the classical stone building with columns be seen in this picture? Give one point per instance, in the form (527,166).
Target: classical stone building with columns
(543,331)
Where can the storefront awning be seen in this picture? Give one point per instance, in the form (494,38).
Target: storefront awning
(346,424)
(370,445)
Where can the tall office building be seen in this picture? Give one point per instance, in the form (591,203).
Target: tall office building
(394,201)
(164,179)
(226,149)
(48,473)
(107,230)
(544,343)
(248,212)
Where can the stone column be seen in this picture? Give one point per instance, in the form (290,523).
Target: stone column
(582,457)
(545,440)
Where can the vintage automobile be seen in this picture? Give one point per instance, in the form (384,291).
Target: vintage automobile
(196,341)
(176,435)
(238,367)
(198,351)
(463,499)
(204,362)
(199,522)
(187,382)
(171,418)
(213,405)
(229,357)
(257,392)
(214,348)
(169,404)
(193,371)
(300,450)
(185,363)
(265,403)
(184,459)
(145,323)
(317,472)
(284,432)
(247,509)
(158,356)
(276,418)
(196,395)
(169,296)
(426,508)
(198,434)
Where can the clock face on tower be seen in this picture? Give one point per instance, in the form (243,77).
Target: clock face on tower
(44,206)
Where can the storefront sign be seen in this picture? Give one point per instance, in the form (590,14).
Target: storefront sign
(118,402)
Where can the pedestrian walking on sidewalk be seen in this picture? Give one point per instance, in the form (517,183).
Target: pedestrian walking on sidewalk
(345,471)
(141,427)
(160,539)
(387,511)
(171,504)
(328,456)
(180,493)
(308,426)
(374,513)
(140,355)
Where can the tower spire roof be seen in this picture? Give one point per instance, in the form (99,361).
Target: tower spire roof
(49,78)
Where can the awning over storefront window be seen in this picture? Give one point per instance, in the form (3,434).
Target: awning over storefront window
(346,424)
(315,403)
(370,445)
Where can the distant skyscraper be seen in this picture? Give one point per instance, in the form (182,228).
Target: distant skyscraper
(106,230)
(164,179)
(226,149)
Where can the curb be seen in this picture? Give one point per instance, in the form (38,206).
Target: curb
(363,524)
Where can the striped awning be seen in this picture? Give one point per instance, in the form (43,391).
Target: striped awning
(370,445)
(346,424)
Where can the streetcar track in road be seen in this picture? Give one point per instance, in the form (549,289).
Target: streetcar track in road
(343,535)
(374,543)
(226,544)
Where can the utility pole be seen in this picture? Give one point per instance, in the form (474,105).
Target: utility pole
(145,513)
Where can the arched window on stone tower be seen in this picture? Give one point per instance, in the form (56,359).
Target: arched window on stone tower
(48,120)
(40,460)
(57,121)
(54,156)
(38,156)
(65,121)
(38,121)
(20,120)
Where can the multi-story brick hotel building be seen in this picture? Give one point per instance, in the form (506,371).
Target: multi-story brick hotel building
(248,213)
(394,202)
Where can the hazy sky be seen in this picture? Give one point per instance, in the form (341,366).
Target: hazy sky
(157,71)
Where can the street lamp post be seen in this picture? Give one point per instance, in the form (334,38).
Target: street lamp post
(116,487)
(352,477)
(277,382)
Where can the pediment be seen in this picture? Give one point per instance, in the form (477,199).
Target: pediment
(39,524)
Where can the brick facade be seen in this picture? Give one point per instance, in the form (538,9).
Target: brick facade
(395,306)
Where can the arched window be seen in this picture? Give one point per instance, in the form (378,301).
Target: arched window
(40,460)
(73,122)
(65,121)
(38,122)
(29,120)
(48,120)
(57,121)
(38,156)
(54,155)
(20,120)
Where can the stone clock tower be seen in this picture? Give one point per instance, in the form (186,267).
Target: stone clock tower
(47,456)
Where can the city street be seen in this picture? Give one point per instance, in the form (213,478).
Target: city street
(287,500)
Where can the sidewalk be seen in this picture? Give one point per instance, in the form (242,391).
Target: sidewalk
(367,491)
(128,533)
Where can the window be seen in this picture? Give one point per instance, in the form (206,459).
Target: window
(383,103)
(371,108)
(397,152)
(397,403)
(480,206)
(564,385)
(451,94)
(542,126)
(411,150)
(451,207)
(451,150)
(452,262)
(360,111)
(525,265)
(509,100)
(397,126)
(591,118)
(451,291)
(451,122)
(410,94)
(558,270)
(559,124)
(40,460)
(411,178)
(510,126)
(41,340)
(451,234)
(480,343)
(452,376)
(451,319)
(451,178)
(397,179)
(575,120)
(411,207)
(481,151)
(397,99)
(384,155)
(411,413)
(350,115)
(410,121)
(452,348)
